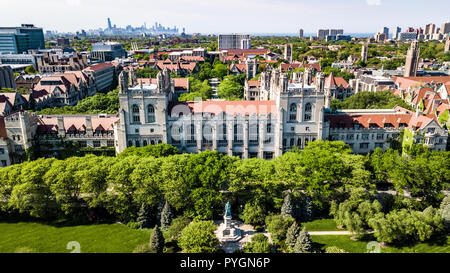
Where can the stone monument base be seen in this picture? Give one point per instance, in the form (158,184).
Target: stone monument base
(226,232)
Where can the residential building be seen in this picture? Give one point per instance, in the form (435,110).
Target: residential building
(60,63)
(445,28)
(412,60)
(233,41)
(103,75)
(366,130)
(397,33)
(385,30)
(18,40)
(300,33)
(64,89)
(405,36)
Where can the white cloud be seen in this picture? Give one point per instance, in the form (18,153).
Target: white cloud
(73,3)
(373,2)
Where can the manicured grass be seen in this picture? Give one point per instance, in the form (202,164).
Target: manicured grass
(40,238)
(321,225)
(344,242)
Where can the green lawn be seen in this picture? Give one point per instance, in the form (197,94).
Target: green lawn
(321,225)
(344,242)
(102,238)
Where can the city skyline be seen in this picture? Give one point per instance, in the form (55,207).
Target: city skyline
(370,14)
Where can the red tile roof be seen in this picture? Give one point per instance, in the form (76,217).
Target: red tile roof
(180,83)
(98,67)
(229,107)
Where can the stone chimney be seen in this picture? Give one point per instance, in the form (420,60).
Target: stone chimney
(61,129)
(89,129)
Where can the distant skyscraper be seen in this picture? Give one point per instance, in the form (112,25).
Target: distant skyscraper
(397,32)
(430,29)
(364,52)
(385,30)
(445,28)
(412,60)
(322,33)
(300,33)
(288,48)
(109,23)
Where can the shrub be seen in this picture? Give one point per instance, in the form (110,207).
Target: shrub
(173,233)
(199,237)
(278,225)
(253,214)
(258,244)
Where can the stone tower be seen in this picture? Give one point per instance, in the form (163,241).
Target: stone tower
(364,51)
(412,60)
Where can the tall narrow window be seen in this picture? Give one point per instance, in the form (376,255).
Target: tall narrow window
(136,116)
(293,112)
(308,112)
(150,113)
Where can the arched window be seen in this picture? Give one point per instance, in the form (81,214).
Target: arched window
(138,144)
(299,142)
(308,112)
(293,112)
(150,113)
(136,115)
(152,142)
(144,143)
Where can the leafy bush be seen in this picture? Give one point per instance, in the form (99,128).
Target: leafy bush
(253,214)
(199,237)
(258,244)
(173,233)
(278,225)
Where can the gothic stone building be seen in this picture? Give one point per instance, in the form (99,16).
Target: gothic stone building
(149,114)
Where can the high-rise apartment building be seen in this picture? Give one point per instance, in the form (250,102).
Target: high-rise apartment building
(397,32)
(447,45)
(412,60)
(430,29)
(322,33)
(20,39)
(234,41)
(445,28)
(300,33)
(385,30)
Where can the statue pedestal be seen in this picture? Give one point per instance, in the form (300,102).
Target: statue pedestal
(227,232)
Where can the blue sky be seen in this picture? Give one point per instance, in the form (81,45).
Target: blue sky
(226,16)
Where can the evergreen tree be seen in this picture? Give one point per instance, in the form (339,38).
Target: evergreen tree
(144,217)
(445,211)
(157,241)
(304,242)
(292,235)
(166,216)
(287,210)
(161,204)
(308,209)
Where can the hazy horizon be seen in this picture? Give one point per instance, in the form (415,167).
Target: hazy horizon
(232,16)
